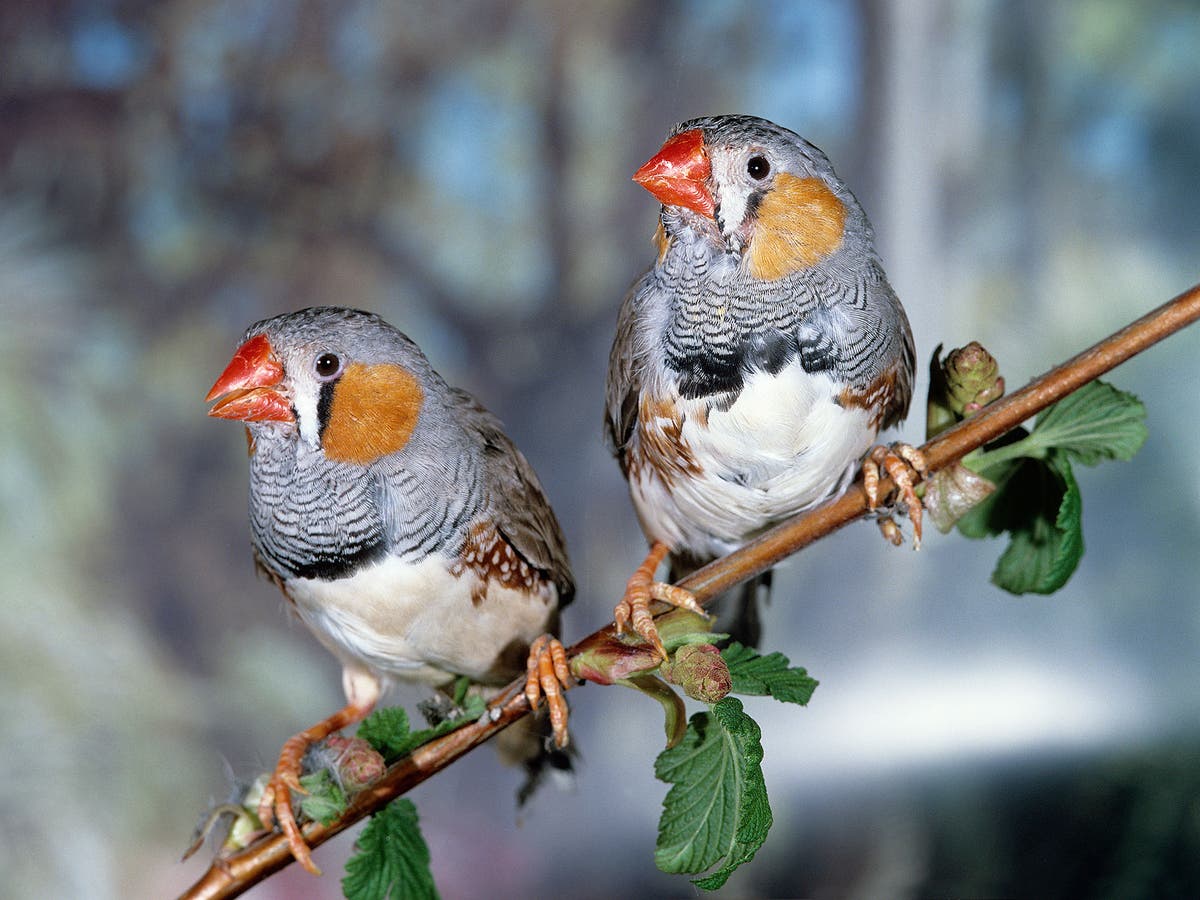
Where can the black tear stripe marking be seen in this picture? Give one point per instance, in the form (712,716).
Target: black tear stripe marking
(753,202)
(324,405)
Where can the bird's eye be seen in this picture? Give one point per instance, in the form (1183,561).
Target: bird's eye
(758,168)
(327,365)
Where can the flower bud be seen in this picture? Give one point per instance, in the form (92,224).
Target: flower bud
(700,671)
(356,762)
(972,379)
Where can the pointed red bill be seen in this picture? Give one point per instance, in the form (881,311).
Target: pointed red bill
(678,174)
(247,386)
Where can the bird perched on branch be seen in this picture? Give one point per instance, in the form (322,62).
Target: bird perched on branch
(758,357)
(403,526)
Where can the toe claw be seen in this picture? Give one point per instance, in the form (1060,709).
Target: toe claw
(900,461)
(677,597)
(275,808)
(546,674)
(276,805)
(632,613)
(890,531)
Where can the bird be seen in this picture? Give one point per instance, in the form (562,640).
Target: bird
(403,526)
(758,357)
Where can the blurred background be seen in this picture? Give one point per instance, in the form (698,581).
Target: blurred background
(172,171)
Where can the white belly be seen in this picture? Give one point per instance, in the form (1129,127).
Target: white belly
(783,447)
(417,622)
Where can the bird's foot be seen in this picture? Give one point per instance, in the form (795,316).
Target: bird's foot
(546,674)
(900,461)
(633,611)
(363,690)
(276,803)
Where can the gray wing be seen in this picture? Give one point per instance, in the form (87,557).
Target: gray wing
(626,363)
(516,499)
(860,331)
(894,358)
(906,366)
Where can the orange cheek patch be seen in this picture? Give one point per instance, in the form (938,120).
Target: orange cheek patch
(373,413)
(799,223)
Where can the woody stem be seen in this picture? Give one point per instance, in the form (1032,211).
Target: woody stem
(232,876)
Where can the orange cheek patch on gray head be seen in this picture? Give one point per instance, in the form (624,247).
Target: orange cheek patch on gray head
(373,413)
(799,223)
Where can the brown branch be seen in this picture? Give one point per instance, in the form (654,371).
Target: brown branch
(995,420)
(232,876)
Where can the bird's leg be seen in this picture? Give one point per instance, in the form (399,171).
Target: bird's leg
(362,692)
(899,461)
(634,608)
(546,673)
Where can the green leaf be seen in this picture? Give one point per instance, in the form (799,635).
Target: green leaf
(1046,549)
(767,675)
(1095,423)
(387,731)
(325,800)
(717,806)
(392,862)
(1037,499)
(997,511)
(1038,502)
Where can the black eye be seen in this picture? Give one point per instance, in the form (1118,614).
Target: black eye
(758,168)
(327,365)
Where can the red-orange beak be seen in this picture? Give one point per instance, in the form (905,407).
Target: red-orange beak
(678,174)
(247,386)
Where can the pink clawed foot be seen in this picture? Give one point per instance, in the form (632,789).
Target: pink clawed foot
(900,461)
(634,608)
(546,674)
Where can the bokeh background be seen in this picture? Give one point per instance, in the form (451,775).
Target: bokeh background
(171,171)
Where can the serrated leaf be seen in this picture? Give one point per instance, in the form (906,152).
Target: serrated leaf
(388,732)
(1037,498)
(392,858)
(717,808)
(1045,551)
(325,800)
(1095,423)
(770,675)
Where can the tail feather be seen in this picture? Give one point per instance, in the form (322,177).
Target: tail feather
(529,743)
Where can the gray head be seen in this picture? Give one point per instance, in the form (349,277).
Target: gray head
(769,195)
(338,379)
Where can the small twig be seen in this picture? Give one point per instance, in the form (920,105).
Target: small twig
(231,876)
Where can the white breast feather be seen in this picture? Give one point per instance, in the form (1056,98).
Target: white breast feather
(783,447)
(415,621)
